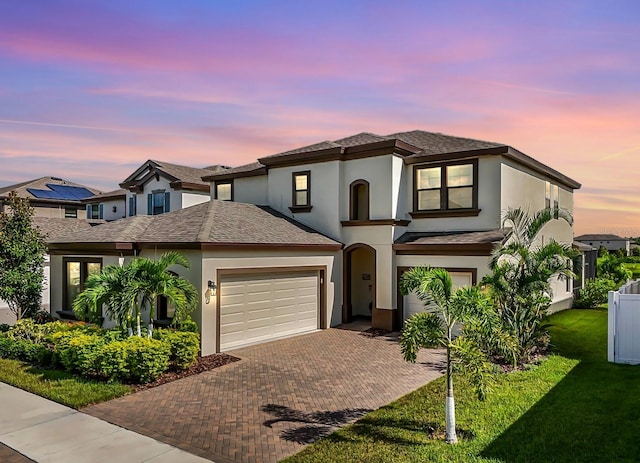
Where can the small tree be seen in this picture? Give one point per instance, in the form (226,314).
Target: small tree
(435,328)
(22,251)
(123,291)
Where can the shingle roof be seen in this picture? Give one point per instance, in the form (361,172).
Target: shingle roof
(439,143)
(108,195)
(582,247)
(428,142)
(22,189)
(55,228)
(212,222)
(599,237)
(185,173)
(244,169)
(460,237)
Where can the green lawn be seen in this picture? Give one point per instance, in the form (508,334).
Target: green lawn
(573,407)
(58,385)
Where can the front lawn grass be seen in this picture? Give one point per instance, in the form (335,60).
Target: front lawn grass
(572,407)
(58,385)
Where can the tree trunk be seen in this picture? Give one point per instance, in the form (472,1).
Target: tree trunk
(450,407)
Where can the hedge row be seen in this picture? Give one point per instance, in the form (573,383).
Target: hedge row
(104,354)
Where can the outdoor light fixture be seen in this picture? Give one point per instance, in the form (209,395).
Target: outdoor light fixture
(211,291)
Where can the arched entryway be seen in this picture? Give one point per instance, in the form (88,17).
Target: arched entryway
(359,282)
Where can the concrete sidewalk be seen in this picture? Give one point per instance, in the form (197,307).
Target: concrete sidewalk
(45,431)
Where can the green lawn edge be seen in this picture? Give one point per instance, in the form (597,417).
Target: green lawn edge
(572,407)
(59,386)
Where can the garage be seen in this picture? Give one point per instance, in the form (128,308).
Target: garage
(412,305)
(262,306)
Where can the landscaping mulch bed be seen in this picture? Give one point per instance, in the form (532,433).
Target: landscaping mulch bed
(375,332)
(209,362)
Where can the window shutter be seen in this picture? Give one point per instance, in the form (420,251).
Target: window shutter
(167,198)
(135,205)
(150,204)
(88,211)
(101,211)
(130,206)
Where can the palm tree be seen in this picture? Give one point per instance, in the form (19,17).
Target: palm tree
(435,328)
(153,280)
(522,268)
(114,289)
(123,291)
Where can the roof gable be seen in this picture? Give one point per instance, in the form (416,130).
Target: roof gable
(180,177)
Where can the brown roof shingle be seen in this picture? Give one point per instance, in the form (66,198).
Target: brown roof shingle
(448,238)
(56,228)
(212,222)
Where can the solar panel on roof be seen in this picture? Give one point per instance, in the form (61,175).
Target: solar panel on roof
(70,192)
(45,194)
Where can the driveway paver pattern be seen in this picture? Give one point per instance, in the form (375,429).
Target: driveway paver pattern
(281,396)
(8,455)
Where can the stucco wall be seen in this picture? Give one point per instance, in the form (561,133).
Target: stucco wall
(325,195)
(188,198)
(252,190)
(107,209)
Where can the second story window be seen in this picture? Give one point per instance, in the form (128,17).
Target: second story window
(447,187)
(301,192)
(359,200)
(158,202)
(70,213)
(224,190)
(94,211)
(132,205)
(556,197)
(547,195)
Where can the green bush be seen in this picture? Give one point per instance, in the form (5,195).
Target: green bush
(42,316)
(26,329)
(146,358)
(111,361)
(188,325)
(78,351)
(594,292)
(7,347)
(4,327)
(184,346)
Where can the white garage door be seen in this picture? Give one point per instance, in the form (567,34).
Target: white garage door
(413,305)
(262,307)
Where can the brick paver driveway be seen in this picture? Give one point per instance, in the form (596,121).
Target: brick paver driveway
(279,397)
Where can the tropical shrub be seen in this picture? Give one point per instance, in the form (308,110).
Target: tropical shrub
(4,327)
(184,346)
(594,292)
(78,351)
(111,361)
(37,354)
(187,325)
(522,268)
(146,358)
(26,329)
(610,267)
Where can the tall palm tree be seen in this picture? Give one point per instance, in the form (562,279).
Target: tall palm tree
(123,291)
(153,280)
(522,268)
(435,328)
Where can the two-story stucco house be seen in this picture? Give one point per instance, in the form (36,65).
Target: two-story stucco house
(157,187)
(319,236)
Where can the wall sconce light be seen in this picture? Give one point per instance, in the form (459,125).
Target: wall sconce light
(211,291)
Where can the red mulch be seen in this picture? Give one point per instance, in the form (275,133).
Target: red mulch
(374,332)
(203,364)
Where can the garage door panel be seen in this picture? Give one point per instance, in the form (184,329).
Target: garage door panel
(257,308)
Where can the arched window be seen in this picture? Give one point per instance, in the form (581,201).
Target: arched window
(359,200)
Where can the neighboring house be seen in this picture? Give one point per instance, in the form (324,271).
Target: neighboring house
(107,206)
(158,187)
(320,235)
(51,197)
(611,242)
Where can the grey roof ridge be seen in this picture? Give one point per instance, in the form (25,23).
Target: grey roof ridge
(206,226)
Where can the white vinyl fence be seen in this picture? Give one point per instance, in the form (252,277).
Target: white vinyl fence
(624,324)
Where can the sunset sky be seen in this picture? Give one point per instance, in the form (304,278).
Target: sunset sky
(90,90)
